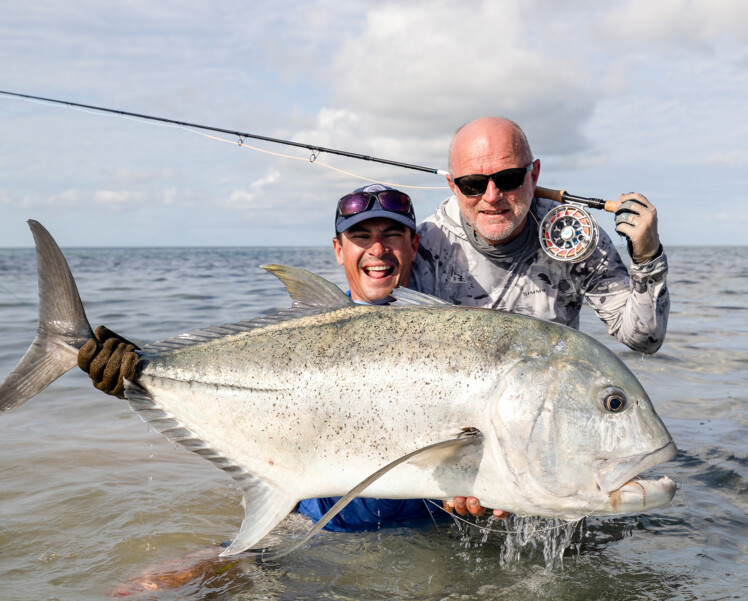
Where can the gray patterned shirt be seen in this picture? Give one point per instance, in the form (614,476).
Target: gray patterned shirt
(521,278)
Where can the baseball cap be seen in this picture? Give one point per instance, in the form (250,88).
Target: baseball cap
(374,200)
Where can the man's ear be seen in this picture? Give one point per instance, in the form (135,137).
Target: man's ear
(535,172)
(338,247)
(414,240)
(451,183)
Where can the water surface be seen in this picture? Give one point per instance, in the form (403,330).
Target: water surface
(90,496)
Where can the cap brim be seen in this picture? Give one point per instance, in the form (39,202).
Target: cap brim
(344,223)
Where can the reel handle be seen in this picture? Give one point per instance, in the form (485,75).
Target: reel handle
(611,206)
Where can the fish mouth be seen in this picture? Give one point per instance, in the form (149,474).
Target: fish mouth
(613,475)
(626,491)
(639,495)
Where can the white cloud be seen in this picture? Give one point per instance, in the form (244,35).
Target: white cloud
(695,24)
(118,197)
(609,93)
(735,157)
(128,177)
(254,198)
(728,217)
(67,198)
(415,72)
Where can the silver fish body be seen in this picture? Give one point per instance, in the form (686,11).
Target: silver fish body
(311,401)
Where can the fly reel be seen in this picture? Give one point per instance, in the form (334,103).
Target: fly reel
(568,233)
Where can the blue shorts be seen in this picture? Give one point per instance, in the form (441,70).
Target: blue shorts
(368,514)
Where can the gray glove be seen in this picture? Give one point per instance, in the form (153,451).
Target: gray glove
(636,219)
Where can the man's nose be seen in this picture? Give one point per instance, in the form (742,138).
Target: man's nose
(377,247)
(492,193)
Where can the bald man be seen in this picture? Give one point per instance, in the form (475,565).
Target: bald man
(481,247)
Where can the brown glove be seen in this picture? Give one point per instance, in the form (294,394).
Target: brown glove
(108,359)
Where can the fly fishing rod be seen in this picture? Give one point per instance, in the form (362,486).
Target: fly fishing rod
(567,233)
(238,134)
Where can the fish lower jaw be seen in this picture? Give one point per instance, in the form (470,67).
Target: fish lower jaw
(638,495)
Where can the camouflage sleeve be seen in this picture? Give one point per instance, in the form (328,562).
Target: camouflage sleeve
(634,305)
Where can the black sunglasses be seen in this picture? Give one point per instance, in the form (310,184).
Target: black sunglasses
(506,181)
(359,202)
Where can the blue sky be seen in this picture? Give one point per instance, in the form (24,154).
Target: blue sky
(616,96)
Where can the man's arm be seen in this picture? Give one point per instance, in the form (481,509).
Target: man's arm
(634,306)
(637,314)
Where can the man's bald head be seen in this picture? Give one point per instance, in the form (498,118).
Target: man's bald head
(483,134)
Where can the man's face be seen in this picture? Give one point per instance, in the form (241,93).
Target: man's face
(497,216)
(377,255)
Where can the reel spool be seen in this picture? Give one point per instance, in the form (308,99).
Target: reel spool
(568,233)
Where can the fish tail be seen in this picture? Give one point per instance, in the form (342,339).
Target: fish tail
(63,326)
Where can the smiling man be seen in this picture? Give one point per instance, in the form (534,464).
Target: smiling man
(481,247)
(375,241)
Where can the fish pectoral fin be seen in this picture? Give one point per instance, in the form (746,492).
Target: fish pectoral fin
(264,508)
(406,296)
(468,443)
(468,438)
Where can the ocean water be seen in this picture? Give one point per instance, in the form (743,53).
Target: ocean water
(90,499)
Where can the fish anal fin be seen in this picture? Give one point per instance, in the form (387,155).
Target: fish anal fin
(264,508)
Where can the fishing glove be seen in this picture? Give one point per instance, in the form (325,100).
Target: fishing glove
(108,359)
(636,220)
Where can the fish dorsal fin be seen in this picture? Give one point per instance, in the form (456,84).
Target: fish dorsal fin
(406,296)
(308,290)
(469,440)
(311,295)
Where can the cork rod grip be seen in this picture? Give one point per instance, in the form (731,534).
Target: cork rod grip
(611,206)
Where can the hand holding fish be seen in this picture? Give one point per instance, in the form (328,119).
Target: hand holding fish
(108,359)
(636,220)
(465,505)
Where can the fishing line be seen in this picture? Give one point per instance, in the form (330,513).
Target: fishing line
(313,159)
(31,307)
(240,143)
(487,529)
(315,150)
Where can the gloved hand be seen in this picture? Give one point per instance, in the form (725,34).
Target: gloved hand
(636,219)
(108,359)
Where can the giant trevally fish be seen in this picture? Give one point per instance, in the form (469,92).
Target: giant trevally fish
(529,416)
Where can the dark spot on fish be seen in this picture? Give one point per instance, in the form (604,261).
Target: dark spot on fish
(543,277)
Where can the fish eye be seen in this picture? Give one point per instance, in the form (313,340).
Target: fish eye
(613,400)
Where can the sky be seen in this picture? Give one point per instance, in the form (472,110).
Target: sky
(617,96)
